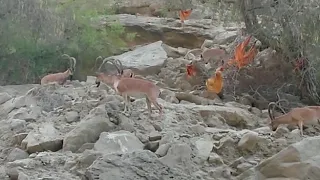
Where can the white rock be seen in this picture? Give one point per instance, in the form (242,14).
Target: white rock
(117,142)
(249,140)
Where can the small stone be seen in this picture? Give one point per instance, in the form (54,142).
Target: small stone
(215,159)
(126,123)
(244,166)
(33,155)
(236,162)
(157,127)
(18,125)
(222,171)
(12,173)
(249,141)
(263,130)
(72,116)
(3,174)
(88,157)
(163,149)
(281,131)
(214,121)
(253,162)
(152,146)
(142,137)
(256,111)
(217,136)
(23,176)
(177,153)
(17,154)
(155,136)
(281,141)
(167,138)
(19,137)
(85,147)
(198,129)
(204,148)
(193,121)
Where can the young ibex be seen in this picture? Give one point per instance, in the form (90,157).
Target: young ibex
(61,77)
(296,116)
(130,86)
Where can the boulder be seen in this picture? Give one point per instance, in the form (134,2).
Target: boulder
(117,142)
(88,130)
(298,161)
(144,60)
(45,138)
(137,165)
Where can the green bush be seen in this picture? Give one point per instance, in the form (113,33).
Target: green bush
(35,33)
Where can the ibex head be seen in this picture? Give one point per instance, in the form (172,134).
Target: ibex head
(100,76)
(271,108)
(72,67)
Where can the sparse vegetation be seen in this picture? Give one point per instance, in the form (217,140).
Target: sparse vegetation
(35,33)
(291,28)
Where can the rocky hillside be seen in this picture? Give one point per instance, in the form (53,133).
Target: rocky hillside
(78,131)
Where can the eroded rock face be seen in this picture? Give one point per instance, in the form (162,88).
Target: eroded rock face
(172,33)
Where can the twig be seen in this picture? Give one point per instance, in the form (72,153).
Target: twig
(256,91)
(279,98)
(279,90)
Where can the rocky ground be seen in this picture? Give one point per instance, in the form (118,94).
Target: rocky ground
(78,131)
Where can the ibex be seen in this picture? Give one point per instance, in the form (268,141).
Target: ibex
(130,86)
(213,55)
(296,116)
(125,72)
(61,77)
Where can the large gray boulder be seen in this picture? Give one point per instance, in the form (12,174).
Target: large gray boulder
(298,161)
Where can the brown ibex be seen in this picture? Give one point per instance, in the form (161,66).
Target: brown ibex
(61,77)
(130,86)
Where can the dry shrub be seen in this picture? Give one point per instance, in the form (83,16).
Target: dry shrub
(292,28)
(263,77)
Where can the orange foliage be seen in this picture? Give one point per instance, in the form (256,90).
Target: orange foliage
(184,14)
(215,84)
(242,58)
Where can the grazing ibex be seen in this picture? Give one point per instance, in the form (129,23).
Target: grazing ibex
(296,116)
(61,77)
(130,86)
